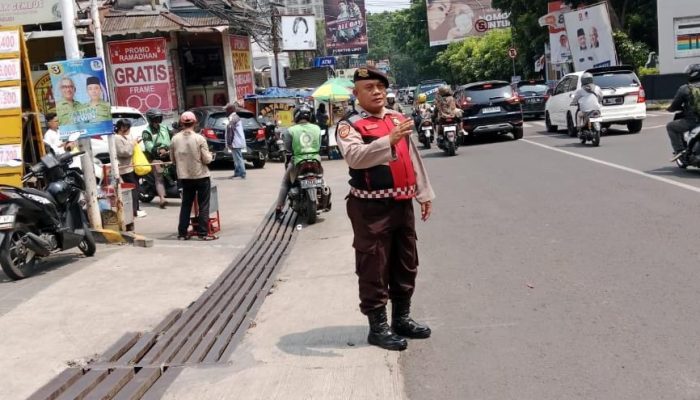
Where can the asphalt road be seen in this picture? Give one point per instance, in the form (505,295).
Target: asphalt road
(553,270)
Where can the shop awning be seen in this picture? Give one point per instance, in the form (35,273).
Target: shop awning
(280,93)
(125,23)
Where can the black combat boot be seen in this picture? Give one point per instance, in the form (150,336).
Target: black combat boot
(403,324)
(380,334)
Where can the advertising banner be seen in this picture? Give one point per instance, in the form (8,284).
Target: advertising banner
(346,28)
(686,32)
(83,105)
(452,21)
(242,65)
(590,37)
(140,72)
(298,32)
(27,12)
(558,40)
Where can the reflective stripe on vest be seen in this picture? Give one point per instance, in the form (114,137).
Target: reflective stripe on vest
(382,181)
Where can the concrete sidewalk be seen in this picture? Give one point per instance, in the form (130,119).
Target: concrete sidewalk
(309,340)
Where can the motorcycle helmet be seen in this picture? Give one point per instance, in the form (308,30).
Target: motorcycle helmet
(390,98)
(693,72)
(422,98)
(154,115)
(445,91)
(303,113)
(586,78)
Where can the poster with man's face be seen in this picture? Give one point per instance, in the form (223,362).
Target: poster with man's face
(590,37)
(453,20)
(82,100)
(346,28)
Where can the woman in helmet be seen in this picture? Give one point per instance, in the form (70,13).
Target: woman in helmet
(156,140)
(391,102)
(446,104)
(588,99)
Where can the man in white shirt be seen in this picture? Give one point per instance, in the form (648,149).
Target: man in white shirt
(52,137)
(235,140)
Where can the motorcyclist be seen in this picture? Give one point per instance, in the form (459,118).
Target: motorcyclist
(446,106)
(156,141)
(687,104)
(391,102)
(422,109)
(303,142)
(589,98)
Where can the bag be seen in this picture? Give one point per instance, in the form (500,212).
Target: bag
(141,165)
(695,99)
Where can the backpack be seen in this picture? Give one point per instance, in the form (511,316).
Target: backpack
(694,99)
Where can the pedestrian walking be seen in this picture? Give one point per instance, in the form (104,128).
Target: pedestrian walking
(125,155)
(386,174)
(235,140)
(191,155)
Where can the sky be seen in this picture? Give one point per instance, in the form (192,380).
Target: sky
(378,6)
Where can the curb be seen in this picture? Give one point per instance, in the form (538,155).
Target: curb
(108,236)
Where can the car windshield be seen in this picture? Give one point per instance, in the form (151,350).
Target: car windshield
(220,121)
(488,92)
(537,89)
(616,79)
(135,119)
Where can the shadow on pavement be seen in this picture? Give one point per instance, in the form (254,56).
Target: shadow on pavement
(321,342)
(47,265)
(675,171)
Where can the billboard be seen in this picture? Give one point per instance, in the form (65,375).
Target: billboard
(141,73)
(590,37)
(27,12)
(452,21)
(298,32)
(686,34)
(558,39)
(83,104)
(242,65)
(346,27)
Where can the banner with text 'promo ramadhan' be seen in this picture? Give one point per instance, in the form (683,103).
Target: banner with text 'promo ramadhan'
(346,28)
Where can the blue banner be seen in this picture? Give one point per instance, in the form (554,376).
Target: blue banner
(82,99)
(324,62)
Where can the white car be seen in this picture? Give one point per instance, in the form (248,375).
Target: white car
(624,101)
(100,148)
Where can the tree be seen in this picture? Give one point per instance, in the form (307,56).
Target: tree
(478,58)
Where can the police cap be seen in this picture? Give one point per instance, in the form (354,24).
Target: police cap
(366,73)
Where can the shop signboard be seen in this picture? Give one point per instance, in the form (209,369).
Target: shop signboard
(83,104)
(140,72)
(242,65)
(593,45)
(298,32)
(686,32)
(452,21)
(346,27)
(27,12)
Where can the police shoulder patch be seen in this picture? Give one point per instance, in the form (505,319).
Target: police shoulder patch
(343,131)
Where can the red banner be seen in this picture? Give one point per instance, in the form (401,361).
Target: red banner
(242,65)
(141,75)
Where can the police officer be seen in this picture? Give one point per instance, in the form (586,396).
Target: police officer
(386,174)
(683,102)
(303,141)
(67,106)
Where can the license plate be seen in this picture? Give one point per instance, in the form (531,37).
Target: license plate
(450,129)
(309,183)
(613,100)
(536,100)
(7,221)
(427,128)
(490,110)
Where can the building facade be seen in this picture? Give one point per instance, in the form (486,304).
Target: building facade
(679,34)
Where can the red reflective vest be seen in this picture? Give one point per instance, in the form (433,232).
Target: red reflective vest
(396,180)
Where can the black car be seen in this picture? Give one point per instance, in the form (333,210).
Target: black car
(533,96)
(212,122)
(490,107)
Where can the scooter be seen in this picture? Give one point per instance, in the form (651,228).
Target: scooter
(274,142)
(425,132)
(148,185)
(590,131)
(309,192)
(36,223)
(691,139)
(449,135)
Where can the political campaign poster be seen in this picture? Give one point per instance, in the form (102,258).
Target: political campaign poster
(453,20)
(298,32)
(590,37)
(558,39)
(242,65)
(346,27)
(686,32)
(141,73)
(29,12)
(82,99)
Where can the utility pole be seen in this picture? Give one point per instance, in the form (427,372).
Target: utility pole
(70,41)
(275,43)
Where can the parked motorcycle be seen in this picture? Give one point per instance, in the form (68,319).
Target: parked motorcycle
(425,132)
(309,193)
(691,140)
(148,185)
(273,140)
(35,223)
(590,131)
(449,135)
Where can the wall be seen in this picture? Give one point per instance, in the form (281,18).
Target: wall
(668,10)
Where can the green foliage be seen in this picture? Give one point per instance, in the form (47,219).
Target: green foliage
(630,52)
(647,71)
(479,58)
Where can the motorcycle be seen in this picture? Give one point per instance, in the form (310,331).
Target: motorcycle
(273,141)
(449,135)
(425,132)
(309,192)
(35,223)
(590,131)
(148,185)
(691,139)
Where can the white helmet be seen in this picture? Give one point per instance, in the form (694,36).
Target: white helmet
(390,96)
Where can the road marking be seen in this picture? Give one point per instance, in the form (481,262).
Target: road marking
(654,127)
(653,114)
(617,166)
(547,136)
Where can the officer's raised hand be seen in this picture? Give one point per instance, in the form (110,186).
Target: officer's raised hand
(404,129)
(426,208)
